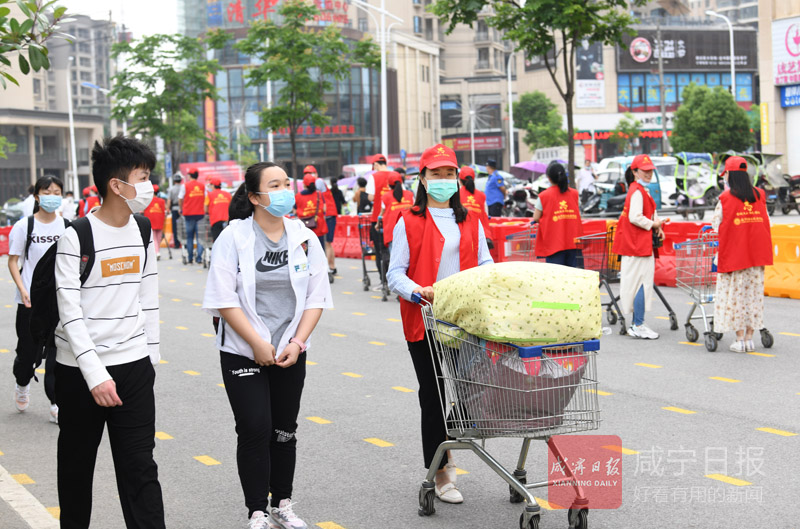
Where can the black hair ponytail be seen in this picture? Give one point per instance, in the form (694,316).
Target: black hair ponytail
(397,191)
(629,176)
(558,176)
(240,206)
(469,183)
(741,186)
(44,182)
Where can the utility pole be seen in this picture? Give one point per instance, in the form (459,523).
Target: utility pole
(662,90)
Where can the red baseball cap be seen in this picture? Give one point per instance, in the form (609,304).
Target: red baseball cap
(309,169)
(86,191)
(394,178)
(643,162)
(155,188)
(94,189)
(215,181)
(465,172)
(377,158)
(735,163)
(309,179)
(438,156)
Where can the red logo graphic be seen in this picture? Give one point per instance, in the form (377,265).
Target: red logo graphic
(793,40)
(591,462)
(641,50)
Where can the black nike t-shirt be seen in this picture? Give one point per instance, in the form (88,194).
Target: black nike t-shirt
(275,299)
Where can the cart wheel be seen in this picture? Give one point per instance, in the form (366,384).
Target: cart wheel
(514,496)
(581,518)
(426,502)
(711,342)
(771,208)
(766,338)
(691,333)
(532,524)
(183,259)
(611,317)
(366,283)
(673,322)
(718,335)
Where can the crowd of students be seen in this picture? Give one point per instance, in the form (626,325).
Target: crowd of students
(266,290)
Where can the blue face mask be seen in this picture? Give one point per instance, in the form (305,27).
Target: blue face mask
(442,190)
(280,202)
(49,203)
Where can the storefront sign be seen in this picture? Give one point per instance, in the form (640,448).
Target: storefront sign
(687,50)
(482,143)
(327,130)
(764,124)
(790,96)
(786,51)
(590,84)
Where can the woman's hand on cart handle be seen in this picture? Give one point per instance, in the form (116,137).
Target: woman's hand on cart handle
(425,292)
(264,353)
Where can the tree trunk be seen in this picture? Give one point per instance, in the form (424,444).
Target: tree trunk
(293,141)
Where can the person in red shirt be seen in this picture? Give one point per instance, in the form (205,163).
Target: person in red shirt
(474,199)
(90,201)
(394,203)
(82,209)
(745,248)
(156,211)
(434,239)
(634,243)
(192,203)
(217,208)
(378,184)
(558,213)
(331,214)
(310,206)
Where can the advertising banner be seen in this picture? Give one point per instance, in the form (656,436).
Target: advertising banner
(589,76)
(786,51)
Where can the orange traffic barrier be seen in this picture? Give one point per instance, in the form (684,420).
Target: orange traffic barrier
(782,279)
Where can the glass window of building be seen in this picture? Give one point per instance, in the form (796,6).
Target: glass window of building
(483,59)
(429,28)
(481,30)
(418,25)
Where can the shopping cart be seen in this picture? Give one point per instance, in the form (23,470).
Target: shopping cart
(203,235)
(521,246)
(372,248)
(501,390)
(696,274)
(597,254)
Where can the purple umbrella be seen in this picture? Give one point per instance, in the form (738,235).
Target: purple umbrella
(528,170)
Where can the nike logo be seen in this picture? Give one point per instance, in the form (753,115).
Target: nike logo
(261,267)
(272,261)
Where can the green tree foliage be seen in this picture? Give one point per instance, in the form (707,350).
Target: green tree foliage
(710,121)
(162,89)
(540,119)
(27,34)
(628,129)
(539,27)
(6,147)
(304,61)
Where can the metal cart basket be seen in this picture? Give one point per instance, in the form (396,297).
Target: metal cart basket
(372,248)
(521,246)
(203,236)
(501,390)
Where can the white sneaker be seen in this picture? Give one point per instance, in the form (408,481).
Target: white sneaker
(643,332)
(22,397)
(738,346)
(283,517)
(749,346)
(54,413)
(258,520)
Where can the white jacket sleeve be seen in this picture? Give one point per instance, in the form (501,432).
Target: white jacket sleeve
(318,295)
(70,312)
(148,297)
(221,283)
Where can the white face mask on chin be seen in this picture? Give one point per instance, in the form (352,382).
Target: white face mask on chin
(144,195)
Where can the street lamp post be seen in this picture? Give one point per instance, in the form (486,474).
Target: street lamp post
(238,124)
(511,156)
(73,149)
(472,135)
(730,32)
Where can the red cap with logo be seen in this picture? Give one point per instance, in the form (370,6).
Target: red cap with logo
(309,169)
(394,178)
(438,156)
(735,163)
(643,162)
(309,179)
(465,172)
(216,181)
(377,158)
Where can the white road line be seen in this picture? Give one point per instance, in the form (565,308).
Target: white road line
(24,503)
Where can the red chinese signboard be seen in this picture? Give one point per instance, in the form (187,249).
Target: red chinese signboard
(482,143)
(328,130)
(332,11)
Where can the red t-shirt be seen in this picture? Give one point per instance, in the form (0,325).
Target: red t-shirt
(194,198)
(218,202)
(156,212)
(310,206)
(392,209)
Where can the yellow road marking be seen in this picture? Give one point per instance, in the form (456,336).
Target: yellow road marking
(184,269)
(662,318)
(338,335)
(762,354)
(723,379)
(163,436)
(783,433)
(544,504)
(394,320)
(598,392)
(175,299)
(378,442)
(352,375)
(221,385)
(359,314)
(40,371)
(406,390)
(692,343)
(8,306)
(197,304)
(789,334)
(207,460)
(310,363)
(318,420)
(376,297)
(173,280)
(461,471)
(729,480)
(649,365)
(621,450)
(678,410)
(347,293)
(353,268)
(338,277)
(55,512)
(330,525)
(163,362)
(1,453)
(603,294)
(23,479)
(207,335)
(377,343)
(3,350)
(182,328)
(161,322)
(192,373)
(189,284)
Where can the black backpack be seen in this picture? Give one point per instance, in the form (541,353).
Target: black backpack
(44,302)
(29,239)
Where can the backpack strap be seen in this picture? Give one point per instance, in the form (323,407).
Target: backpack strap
(145,230)
(83,228)
(29,238)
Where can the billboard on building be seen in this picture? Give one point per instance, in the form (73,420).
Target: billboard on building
(786,51)
(589,76)
(536,62)
(688,50)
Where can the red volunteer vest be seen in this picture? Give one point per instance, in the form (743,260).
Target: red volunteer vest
(307,205)
(381,179)
(218,202)
(392,210)
(476,203)
(633,240)
(156,212)
(81,207)
(560,223)
(86,205)
(330,204)
(745,239)
(425,244)
(194,198)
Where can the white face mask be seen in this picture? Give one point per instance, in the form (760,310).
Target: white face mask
(144,195)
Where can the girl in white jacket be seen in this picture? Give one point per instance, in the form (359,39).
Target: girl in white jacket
(268,284)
